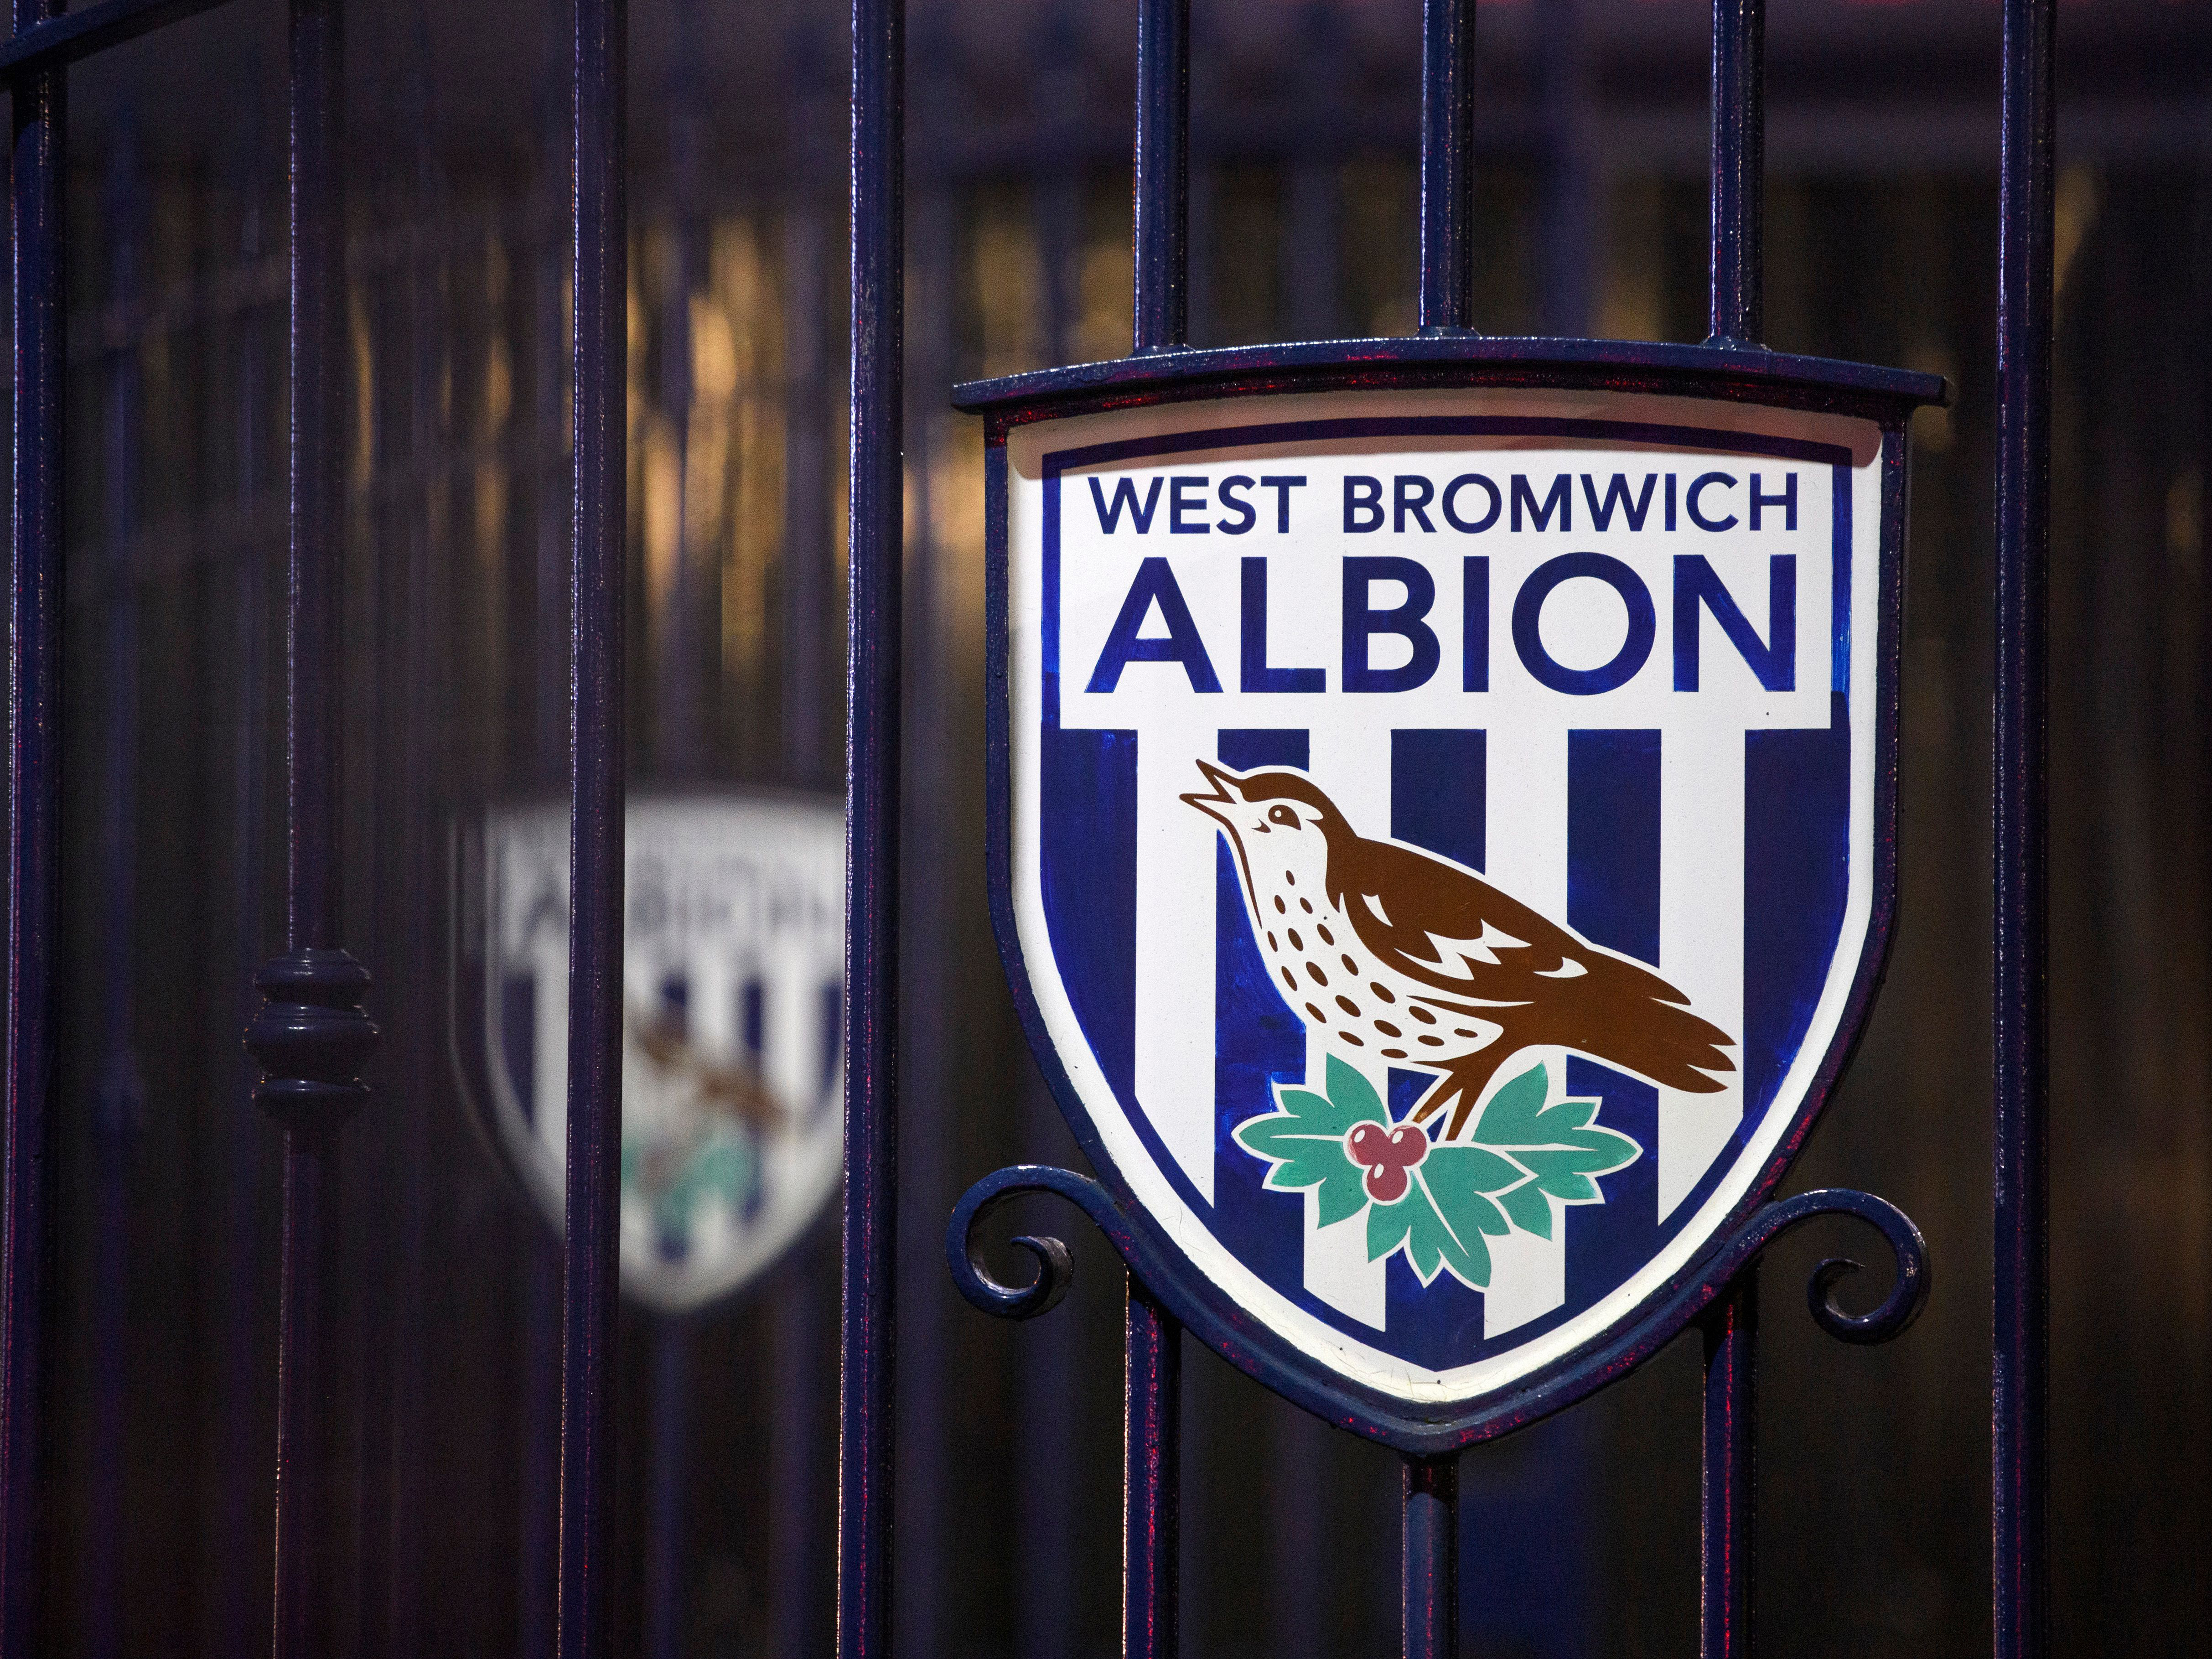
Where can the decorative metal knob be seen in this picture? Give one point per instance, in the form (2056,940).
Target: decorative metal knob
(311,1037)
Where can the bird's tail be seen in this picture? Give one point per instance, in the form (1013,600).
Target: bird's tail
(1661,1042)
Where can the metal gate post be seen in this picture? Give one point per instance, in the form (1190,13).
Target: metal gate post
(1447,289)
(310,1036)
(1736,318)
(1429,1566)
(2020,1326)
(596,755)
(38,163)
(877,526)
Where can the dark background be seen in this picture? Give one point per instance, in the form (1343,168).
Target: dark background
(1580,1535)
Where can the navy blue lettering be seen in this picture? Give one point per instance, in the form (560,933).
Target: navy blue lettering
(1774,659)
(1474,624)
(1697,487)
(1125,494)
(1787,500)
(1617,499)
(1670,501)
(1451,512)
(1253,673)
(1361,623)
(1363,505)
(1560,500)
(1228,492)
(1155,585)
(1528,615)
(1180,502)
(1282,487)
(1405,487)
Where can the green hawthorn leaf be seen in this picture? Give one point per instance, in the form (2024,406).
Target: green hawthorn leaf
(1432,1243)
(1305,1142)
(1457,1192)
(1388,1223)
(1514,1116)
(1558,1144)
(1531,1209)
(1354,1095)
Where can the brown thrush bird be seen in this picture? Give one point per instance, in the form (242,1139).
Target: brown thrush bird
(1395,954)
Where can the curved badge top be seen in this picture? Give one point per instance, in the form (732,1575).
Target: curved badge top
(1443,846)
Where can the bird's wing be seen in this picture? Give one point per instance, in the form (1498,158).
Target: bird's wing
(1480,948)
(1444,927)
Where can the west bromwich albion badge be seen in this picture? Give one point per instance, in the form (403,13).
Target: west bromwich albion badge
(1442,842)
(732,1032)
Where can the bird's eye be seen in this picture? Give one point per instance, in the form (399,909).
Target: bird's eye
(1283,815)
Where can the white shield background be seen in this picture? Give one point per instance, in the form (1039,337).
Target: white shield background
(1132,1006)
(733,1065)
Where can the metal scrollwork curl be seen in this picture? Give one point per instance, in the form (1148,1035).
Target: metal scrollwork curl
(1056,1265)
(1908,1293)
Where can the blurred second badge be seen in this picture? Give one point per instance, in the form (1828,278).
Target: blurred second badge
(732,1057)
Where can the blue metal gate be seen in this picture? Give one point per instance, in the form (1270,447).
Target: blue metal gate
(312,1035)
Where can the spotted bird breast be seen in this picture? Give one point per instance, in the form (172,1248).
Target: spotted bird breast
(1366,1009)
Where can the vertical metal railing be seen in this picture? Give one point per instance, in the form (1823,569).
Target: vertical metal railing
(310,1036)
(1152,1338)
(2020,1337)
(38,159)
(598,348)
(1447,284)
(874,644)
(1736,319)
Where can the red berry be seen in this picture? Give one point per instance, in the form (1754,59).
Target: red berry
(1387,1183)
(1369,1143)
(1386,1155)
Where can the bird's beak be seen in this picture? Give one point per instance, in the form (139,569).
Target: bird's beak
(1224,795)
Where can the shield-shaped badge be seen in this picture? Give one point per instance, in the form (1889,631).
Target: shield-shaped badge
(732,1061)
(1442,841)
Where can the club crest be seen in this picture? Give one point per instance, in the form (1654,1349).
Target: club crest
(1442,843)
(732,1036)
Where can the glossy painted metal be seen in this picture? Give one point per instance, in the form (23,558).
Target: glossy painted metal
(1447,290)
(1162,310)
(45,39)
(310,1036)
(2021,1338)
(1736,319)
(1151,1471)
(873,643)
(38,164)
(598,752)
(1739,170)
(1730,1467)
(1151,1337)
(1151,1261)
(1429,1563)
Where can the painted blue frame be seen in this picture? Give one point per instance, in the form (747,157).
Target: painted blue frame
(1725,374)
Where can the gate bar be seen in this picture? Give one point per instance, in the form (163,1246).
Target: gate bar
(1151,1494)
(1447,296)
(1729,1471)
(598,572)
(875,536)
(39,166)
(1430,1565)
(1152,1478)
(1739,172)
(1730,1464)
(1161,311)
(310,1036)
(2020,1324)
